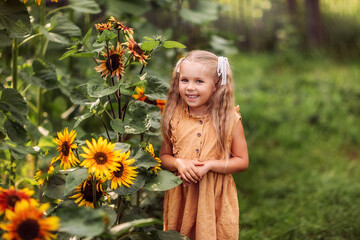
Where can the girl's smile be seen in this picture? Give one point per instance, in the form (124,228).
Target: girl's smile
(196,86)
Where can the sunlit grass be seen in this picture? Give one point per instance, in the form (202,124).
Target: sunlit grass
(302,123)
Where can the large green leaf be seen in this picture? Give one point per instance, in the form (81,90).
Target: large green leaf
(125,227)
(79,95)
(144,159)
(15,131)
(139,123)
(18,151)
(64,26)
(106,35)
(165,180)
(133,7)
(81,221)
(110,214)
(124,147)
(81,118)
(85,6)
(45,75)
(152,110)
(137,184)
(75,178)
(56,186)
(149,45)
(98,88)
(11,100)
(54,37)
(15,18)
(156,88)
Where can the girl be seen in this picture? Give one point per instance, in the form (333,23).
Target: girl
(203,142)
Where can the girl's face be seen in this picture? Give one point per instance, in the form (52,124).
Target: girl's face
(196,86)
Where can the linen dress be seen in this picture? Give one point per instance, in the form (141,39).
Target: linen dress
(206,210)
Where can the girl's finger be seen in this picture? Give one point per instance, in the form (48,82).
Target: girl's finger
(198,163)
(190,178)
(195,174)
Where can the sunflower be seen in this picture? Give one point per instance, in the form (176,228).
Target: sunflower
(100,157)
(121,26)
(135,50)
(139,94)
(8,197)
(84,192)
(150,149)
(102,26)
(43,174)
(161,104)
(27,222)
(65,142)
(113,64)
(124,174)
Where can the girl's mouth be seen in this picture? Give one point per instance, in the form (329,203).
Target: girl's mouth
(192,96)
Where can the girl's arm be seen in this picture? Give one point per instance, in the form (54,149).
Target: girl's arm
(239,160)
(186,167)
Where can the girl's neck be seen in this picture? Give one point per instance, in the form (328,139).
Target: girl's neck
(198,112)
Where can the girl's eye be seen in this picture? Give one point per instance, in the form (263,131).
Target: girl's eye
(184,80)
(199,81)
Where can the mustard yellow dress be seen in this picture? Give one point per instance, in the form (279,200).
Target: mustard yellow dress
(206,210)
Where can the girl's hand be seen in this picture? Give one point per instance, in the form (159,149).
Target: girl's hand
(203,169)
(188,170)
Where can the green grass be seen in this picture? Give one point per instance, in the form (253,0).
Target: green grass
(302,123)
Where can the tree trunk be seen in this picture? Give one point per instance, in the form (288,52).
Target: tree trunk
(291,7)
(314,23)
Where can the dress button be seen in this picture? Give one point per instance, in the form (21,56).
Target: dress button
(201,122)
(197,150)
(199,134)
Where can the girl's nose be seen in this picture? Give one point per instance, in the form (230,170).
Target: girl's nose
(190,86)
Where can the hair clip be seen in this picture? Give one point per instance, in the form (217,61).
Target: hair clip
(223,63)
(178,64)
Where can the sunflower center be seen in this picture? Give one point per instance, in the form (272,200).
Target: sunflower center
(138,50)
(100,158)
(113,62)
(28,229)
(65,148)
(11,200)
(87,192)
(119,172)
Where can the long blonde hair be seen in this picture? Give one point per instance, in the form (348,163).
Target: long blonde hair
(220,107)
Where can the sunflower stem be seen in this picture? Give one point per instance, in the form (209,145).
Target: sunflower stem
(138,198)
(111,106)
(102,121)
(93,180)
(14,62)
(120,209)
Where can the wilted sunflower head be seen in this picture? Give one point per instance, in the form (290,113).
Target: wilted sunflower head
(84,192)
(27,222)
(65,142)
(113,63)
(136,50)
(9,197)
(124,174)
(103,26)
(120,26)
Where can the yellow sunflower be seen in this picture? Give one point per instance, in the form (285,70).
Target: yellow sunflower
(41,175)
(135,50)
(65,142)
(27,222)
(84,192)
(161,104)
(102,26)
(150,149)
(8,197)
(139,94)
(120,26)
(100,157)
(124,174)
(114,63)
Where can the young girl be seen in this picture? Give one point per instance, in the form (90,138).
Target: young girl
(203,142)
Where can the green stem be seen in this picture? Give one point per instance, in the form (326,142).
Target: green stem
(120,209)
(14,62)
(56,10)
(29,38)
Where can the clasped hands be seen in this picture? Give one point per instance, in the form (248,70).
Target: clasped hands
(191,171)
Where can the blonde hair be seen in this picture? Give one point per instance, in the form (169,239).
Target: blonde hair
(220,107)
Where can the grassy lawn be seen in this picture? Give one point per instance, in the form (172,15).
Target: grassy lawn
(302,123)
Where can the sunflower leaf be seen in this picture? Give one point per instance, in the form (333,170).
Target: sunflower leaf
(82,118)
(11,100)
(137,184)
(106,35)
(98,88)
(15,131)
(56,186)
(173,44)
(86,39)
(68,53)
(74,179)
(165,180)
(144,159)
(15,19)
(125,227)
(124,147)
(85,6)
(149,45)
(83,54)
(64,26)
(81,221)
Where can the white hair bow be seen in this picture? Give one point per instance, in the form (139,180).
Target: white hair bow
(222,66)
(178,64)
